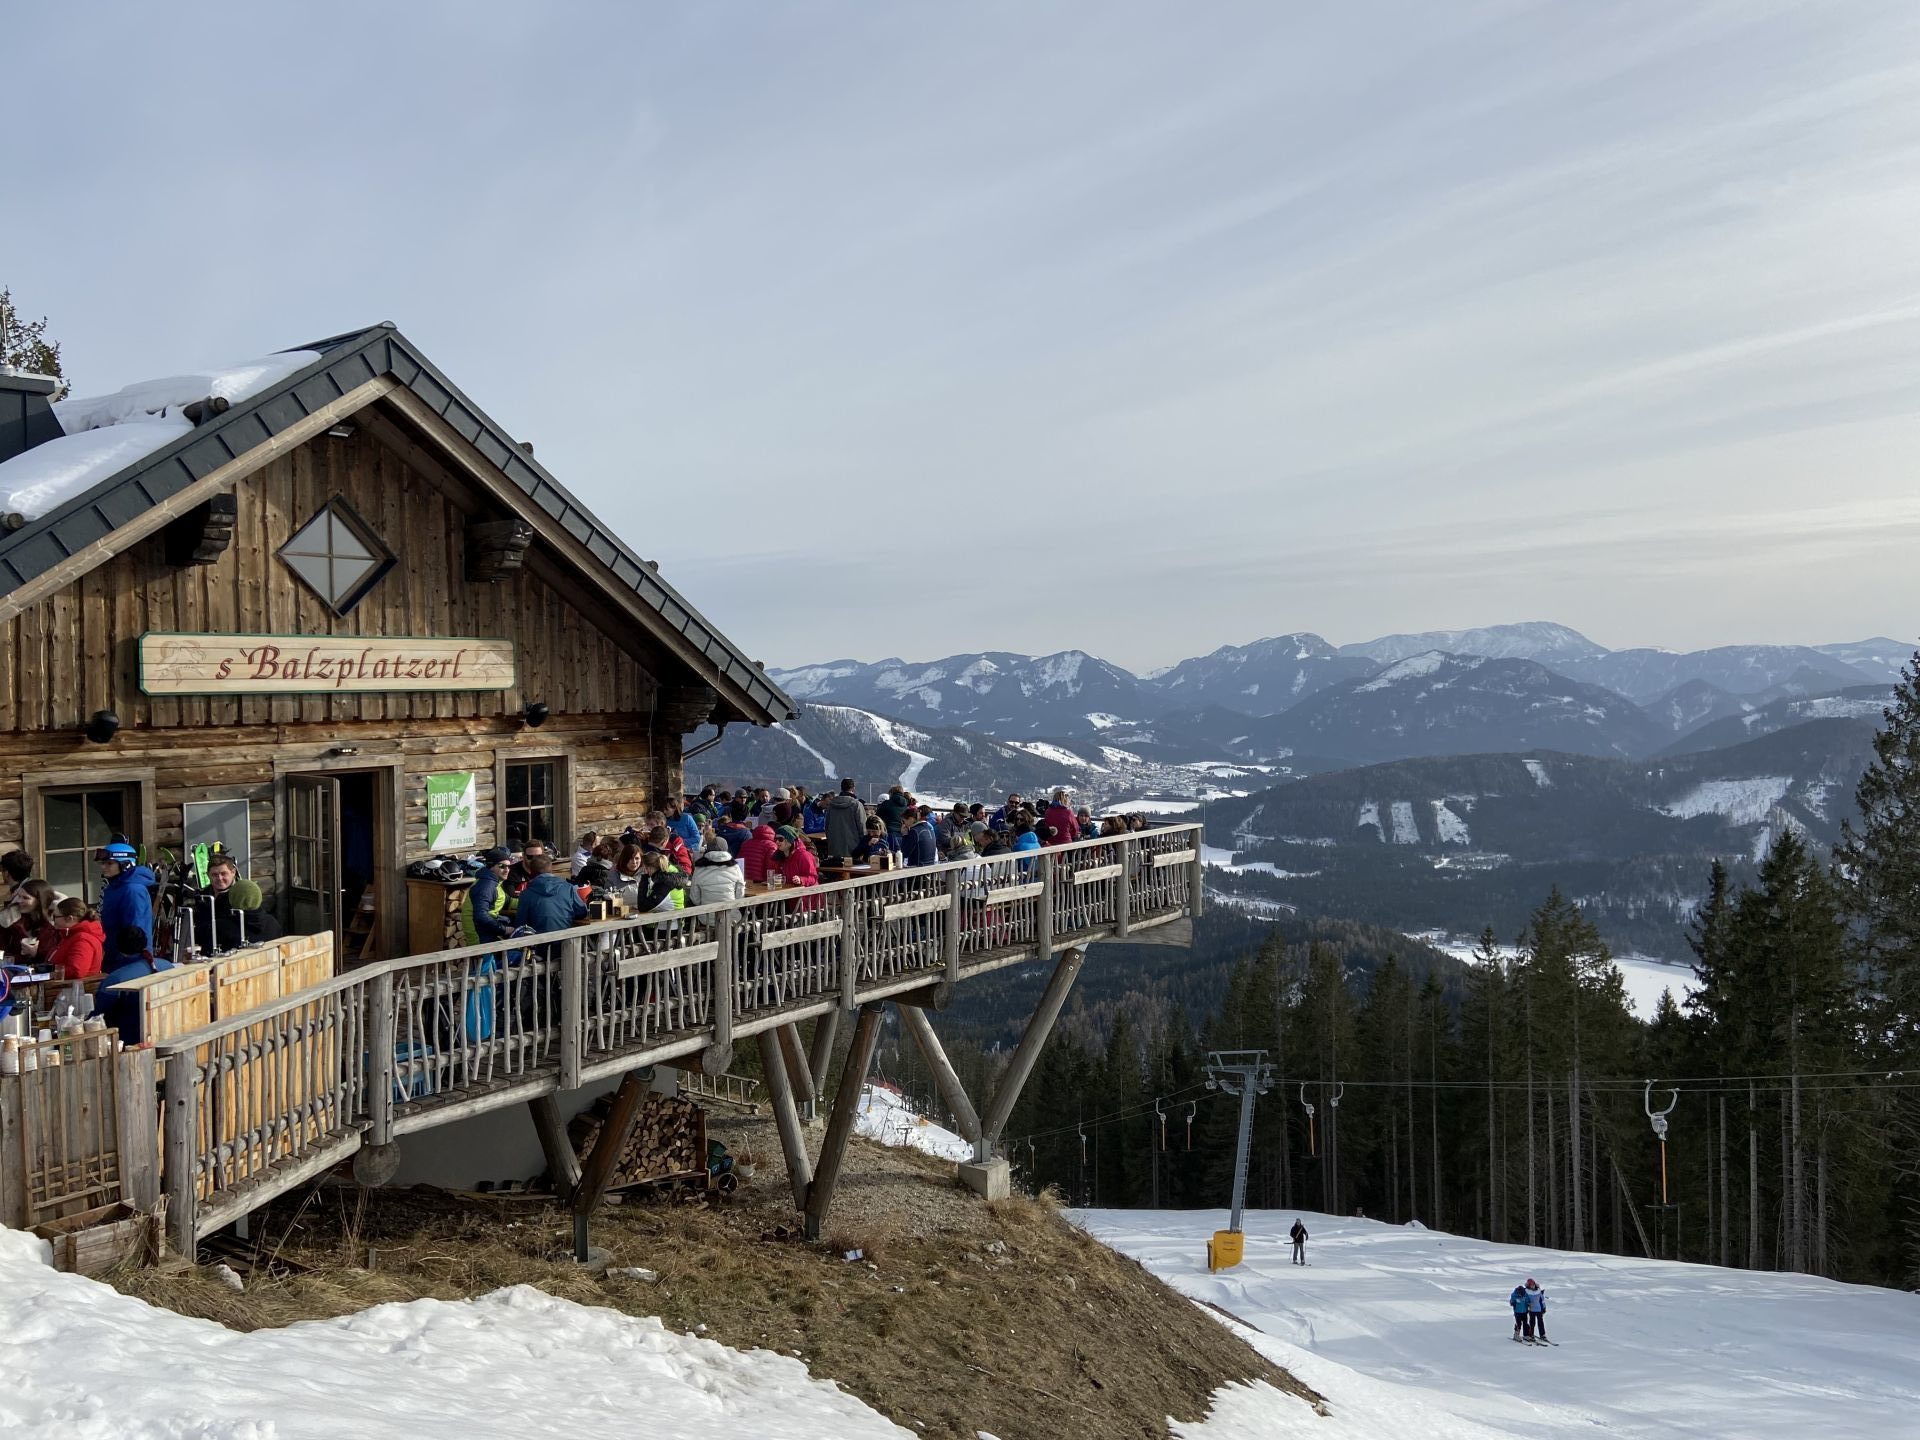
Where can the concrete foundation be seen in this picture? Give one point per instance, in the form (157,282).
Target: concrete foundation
(990,1180)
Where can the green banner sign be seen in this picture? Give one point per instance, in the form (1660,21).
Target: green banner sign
(451,821)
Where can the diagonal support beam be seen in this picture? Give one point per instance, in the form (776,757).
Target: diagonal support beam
(604,1158)
(562,1164)
(1031,1043)
(806,1093)
(846,1109)
(826,1030)
(786,1118)
(914,1021)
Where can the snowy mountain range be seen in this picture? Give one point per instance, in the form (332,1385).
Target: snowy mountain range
(1296,696)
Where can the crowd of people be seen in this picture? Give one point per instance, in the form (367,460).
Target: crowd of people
(706,848)
(701,849)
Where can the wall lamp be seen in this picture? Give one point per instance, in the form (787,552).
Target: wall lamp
(535,715)
(102,726)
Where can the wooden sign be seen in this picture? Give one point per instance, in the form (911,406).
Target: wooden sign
(320,664)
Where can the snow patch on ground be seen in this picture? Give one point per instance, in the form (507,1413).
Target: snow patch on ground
(1055,753)
(1405,1331)
(1405,832)
(1539,772)
(87,1363)
(1370,815)
(1743,802)
(885,1116)
(805,683)
(1225,860)
(825,764)
(1449,826)
(1150,807)
(1412,668)
(1645,978)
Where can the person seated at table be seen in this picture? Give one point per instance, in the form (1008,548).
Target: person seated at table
(82,943)
(30,937)
(717,879)
(483,908)
(548,903)
(794,858)
(733,830)
(760,851)
(16,868)
(683,824)
(661,887)
(627,876)
(597,873)
(518,874)
(238,918)
(667,839)
(813,815)
(993,843)
(1025,837)
(875,844)
(1003,818)
(917,843)
(581,856)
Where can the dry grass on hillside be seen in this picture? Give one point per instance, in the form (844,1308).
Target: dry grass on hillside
(961,1316)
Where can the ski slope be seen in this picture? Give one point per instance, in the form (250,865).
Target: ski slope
(1406,1332)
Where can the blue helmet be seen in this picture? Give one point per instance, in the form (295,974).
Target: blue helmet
(118,851)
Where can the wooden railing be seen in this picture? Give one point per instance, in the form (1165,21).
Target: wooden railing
(258,1103)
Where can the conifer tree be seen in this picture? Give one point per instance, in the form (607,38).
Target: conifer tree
(23,343)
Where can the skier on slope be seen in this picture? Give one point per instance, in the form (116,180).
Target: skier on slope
(1517,1301)
(1299,1237)
(1537,1313)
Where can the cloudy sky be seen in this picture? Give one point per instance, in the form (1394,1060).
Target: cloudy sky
(1139,328)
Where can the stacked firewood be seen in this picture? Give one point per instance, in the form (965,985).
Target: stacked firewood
(669,1139)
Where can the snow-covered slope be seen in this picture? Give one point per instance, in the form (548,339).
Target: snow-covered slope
(886,1117)
(1644,675)
(1260,679)
(87,1363)
(1406,1332)
(1528,640)
(995,691)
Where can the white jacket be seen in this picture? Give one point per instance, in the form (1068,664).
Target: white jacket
(716,881)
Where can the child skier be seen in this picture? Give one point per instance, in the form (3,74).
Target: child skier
(1299,1237)
(1537,1313)
(1517,1302)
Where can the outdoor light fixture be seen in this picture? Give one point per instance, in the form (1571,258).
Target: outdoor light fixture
(535,715)
(340,432)
(102,726)
(346,750)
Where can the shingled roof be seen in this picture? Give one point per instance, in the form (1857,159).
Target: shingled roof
(347,362)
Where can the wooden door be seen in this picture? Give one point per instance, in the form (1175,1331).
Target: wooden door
(313,854)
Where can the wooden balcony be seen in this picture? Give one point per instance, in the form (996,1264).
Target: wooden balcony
(263,1101)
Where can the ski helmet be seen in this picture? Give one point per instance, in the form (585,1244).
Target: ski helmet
(118,851)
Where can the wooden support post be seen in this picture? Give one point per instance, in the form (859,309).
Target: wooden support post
(381,1071)
(786,1119)
(826,1030)
(181,1121)
(1123,891)
(846,1109)
(562,1164)
(1038,1029)
(604,1158)
(718,1056)
(956,917)
(1197,876)
(573,1037)
(805,1093)
(849,951)
(914,1021)
(139,1142)
(1043,929)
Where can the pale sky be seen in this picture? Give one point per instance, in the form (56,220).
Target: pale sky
(909,329)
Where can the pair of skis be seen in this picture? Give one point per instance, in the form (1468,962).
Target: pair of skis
(1533,1340)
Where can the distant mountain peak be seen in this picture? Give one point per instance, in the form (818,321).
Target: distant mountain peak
(1526,640)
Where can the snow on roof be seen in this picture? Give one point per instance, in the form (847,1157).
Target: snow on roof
(107,433)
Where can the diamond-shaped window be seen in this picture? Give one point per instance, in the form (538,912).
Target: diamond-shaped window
(337,556)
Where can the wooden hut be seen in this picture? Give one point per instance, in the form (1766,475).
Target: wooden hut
(340,624)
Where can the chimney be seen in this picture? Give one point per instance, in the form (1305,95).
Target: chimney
(26,412)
